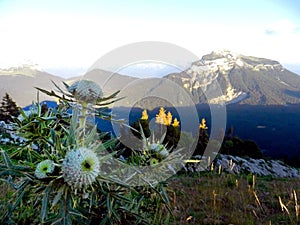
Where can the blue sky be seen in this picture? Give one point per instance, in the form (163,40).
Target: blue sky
(67,37)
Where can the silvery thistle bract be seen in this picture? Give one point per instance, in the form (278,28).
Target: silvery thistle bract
(80,168)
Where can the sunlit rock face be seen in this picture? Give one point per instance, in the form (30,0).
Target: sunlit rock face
(225,77)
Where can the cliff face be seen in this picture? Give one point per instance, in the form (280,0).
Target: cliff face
(242,79)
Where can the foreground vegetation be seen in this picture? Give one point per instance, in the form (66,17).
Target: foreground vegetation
(67,172)
(210,198)
(207,198)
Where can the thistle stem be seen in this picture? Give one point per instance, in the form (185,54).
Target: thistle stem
(82,120)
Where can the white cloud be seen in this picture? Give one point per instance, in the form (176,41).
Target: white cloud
(77,41)
(283,27)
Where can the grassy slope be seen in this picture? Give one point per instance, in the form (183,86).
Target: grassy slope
(226,199)
(230,199)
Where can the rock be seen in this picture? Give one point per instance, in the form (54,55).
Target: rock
(8,135)
(259,167)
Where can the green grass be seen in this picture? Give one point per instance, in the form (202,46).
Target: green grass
(7,147)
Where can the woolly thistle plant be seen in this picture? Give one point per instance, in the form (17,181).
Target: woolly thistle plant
(65,173)
(153,161)
(160,150)
(85,91)
(80,168)
(44,168)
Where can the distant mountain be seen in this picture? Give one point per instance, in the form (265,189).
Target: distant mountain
(243,79)
(110,82)
(19,83)
(263,97)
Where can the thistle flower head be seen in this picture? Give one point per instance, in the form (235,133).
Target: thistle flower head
(80,168)
(86,91)
(153,161)
(44,168)
(160,150)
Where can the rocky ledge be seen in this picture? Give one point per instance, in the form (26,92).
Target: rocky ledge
(238,165)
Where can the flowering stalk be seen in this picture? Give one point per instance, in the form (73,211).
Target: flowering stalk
(82,119)
(85,92)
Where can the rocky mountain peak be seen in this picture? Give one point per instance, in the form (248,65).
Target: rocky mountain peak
(221,54)
(246,79)
(225,60)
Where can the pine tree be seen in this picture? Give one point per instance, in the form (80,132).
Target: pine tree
(8,109)
(141,122)
(173,134)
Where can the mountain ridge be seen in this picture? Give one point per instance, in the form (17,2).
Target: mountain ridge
(19,83)
(253,88)
(242,79)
